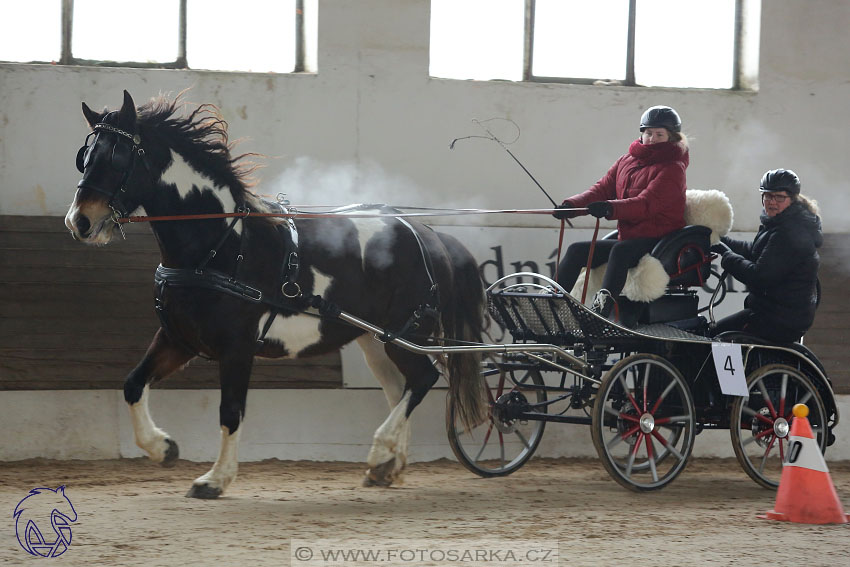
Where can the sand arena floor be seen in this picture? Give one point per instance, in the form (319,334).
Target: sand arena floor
(132,512)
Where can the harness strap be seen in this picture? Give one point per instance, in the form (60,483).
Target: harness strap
(214,250)
(289,270)
(430,308)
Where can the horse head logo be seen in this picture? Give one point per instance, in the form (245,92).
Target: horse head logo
(37,508)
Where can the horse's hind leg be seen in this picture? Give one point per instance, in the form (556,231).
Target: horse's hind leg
(388,455)
(161,359)
(235,374)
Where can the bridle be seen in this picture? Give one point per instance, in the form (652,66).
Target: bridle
(126,149)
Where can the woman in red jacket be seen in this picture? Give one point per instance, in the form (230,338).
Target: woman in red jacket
(644,191)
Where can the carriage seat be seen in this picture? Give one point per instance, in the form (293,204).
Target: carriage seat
(681,259)
(684,254)
(655,290)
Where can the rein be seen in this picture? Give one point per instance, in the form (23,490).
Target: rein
(294,213)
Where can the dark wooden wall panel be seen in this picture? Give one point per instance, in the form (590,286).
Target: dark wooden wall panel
(829,337)
(61,327)
(79,317)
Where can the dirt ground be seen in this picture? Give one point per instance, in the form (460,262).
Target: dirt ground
(132,512)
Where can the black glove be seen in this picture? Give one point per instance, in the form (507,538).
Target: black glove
(600,209)
(561,214)
(728,259)
(720,248)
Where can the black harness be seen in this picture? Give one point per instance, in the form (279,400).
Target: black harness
(288,297)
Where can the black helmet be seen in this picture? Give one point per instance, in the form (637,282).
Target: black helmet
(661,117)
(780,180)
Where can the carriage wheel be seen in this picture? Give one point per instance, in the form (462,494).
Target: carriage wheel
(499,446)
(644,422)
(761,423)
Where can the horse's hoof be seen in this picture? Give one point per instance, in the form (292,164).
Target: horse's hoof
(380,475)
(171,454)
(204,492)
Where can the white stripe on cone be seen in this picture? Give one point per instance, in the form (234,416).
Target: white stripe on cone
(804,452)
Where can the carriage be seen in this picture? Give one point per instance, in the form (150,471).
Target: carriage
(242,277)
(645,391)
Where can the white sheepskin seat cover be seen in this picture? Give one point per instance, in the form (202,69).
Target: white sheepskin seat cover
(647,281)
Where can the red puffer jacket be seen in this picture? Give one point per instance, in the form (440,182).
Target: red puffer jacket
(646,188)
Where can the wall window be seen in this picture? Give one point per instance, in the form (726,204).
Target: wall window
(277,36)
(662,43)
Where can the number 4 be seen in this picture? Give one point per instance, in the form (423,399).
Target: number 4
(728,365)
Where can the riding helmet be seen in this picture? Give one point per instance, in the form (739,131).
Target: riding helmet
(661,117)
(780,180)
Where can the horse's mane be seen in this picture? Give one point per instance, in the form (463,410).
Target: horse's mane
(201,139)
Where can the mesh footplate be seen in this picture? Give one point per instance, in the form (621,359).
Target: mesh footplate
(560,319)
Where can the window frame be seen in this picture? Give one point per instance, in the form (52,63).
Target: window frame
(739,82)
(67,58)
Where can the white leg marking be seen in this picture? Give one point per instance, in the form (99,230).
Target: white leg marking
(384,369)
(149,437)
(391,437)
(226,466)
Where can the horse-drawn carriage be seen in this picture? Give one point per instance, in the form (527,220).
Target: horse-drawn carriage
(241,277)
(646,391)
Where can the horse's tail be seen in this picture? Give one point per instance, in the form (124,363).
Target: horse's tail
(463,322)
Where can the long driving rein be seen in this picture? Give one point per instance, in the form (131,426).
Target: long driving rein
(125,153)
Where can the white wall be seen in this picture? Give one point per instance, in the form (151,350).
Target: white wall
(319,425)
(372,126)
(372,102)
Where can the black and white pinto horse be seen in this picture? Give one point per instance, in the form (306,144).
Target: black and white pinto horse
(233,288)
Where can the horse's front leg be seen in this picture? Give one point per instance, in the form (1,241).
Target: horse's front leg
(406,378)
(235,374)
(161,359)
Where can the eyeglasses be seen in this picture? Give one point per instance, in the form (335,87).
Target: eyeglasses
(776,198)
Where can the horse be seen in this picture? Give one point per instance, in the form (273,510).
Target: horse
(240,278)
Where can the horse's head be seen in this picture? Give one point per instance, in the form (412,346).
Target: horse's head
(112,161)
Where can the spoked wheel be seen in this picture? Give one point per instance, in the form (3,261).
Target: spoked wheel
(760,424)
(500,445)
(643,422)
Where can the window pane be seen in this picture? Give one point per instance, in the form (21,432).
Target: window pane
(477,39)
(31,31)
(685,43)
(579,39)
(143,31)
(249,35)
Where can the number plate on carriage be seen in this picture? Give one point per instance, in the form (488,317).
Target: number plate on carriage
(729,365)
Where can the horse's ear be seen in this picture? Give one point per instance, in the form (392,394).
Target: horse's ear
(91,116)
(127,115)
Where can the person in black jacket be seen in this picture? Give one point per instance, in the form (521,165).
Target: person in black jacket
(780,266)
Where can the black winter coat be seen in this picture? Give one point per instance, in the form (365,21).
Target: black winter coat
(780,267)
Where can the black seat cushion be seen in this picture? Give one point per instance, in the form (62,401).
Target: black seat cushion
(683,249)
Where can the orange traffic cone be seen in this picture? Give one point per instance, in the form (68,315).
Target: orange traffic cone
(806,494)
